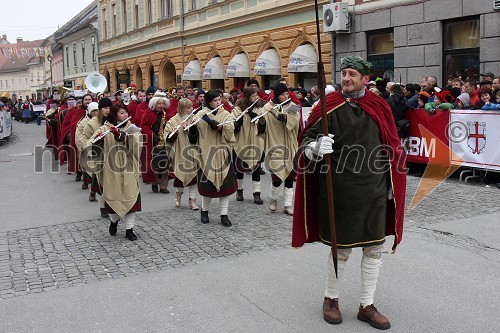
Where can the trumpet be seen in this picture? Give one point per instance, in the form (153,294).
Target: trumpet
(198,120)
(102,135)
(187,118)
(273,108)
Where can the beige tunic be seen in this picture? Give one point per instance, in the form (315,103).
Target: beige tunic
(91,126)
(280,142)
(215,147)
(184,154)
(249,144)
(80,139)
(119,169)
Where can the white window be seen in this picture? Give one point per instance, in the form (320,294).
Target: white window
(193,5)
(104,25)
(67,57)
(124,16)
(150,12)
(113,19)
(136,14)
(83,51)
(166,8)
(74,54)
(92,44)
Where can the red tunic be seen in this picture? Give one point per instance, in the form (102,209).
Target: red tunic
(305,224)
(73,116)
(148,120)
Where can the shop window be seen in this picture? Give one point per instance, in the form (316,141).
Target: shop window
(381,54)
(461,49)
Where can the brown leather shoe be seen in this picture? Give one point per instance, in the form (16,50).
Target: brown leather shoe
(92,197)
(371,315)
(331,312)
(239,195)
(257,199)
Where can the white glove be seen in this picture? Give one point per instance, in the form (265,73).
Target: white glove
(316,149)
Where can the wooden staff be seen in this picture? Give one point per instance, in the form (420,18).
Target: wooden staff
(324,121)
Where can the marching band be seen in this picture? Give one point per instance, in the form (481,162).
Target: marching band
(203,142)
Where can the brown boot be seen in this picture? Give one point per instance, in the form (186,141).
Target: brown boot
(239,195)
(92,197)
(371,315)
(331,312)
(257,199)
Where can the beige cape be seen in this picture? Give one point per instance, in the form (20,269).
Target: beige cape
(280,142)
(215,146)
(184,154)
(119,171)
(249,144)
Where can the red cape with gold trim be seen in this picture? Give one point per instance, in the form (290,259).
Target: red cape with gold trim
(305,222)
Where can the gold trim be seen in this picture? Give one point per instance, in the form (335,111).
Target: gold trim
(353,244)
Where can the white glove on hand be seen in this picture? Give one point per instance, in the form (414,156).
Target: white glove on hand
(316,149)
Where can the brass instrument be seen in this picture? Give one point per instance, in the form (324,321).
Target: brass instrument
(273,108)
(171,92)
(127,95)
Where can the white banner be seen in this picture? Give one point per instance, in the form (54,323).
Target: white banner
(474,136)
(5,124)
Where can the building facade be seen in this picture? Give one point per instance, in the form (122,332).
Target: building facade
(20,73)
(221,44)
(77,42)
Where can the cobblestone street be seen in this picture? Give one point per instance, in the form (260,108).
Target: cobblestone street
(45,258)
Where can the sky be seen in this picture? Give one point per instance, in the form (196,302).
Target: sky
(38,19)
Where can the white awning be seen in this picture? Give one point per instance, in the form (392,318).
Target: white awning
(268,63)
(238,66)
(192,72)
(303,59)
(214,69)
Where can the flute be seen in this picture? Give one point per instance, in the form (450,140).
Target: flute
(103,134)
(241,115)
(180,125)
(273,108)
(198,120)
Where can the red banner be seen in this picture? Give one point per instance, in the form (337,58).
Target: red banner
(418,147)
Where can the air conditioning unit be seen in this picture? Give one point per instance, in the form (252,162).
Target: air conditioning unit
(336,17)
(496,4)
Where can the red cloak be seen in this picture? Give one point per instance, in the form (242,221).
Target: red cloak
(131,108)
(142,108)
(70,122)
(148,120)
(305,224)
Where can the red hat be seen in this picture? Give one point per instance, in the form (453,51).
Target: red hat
(132,85)
(445,96)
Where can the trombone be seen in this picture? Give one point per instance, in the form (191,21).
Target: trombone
(273,108)
(198,120)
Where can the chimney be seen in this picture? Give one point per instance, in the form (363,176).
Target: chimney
(19,39)
(4,36)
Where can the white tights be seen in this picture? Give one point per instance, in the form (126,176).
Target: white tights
(129,219)
(370,266)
